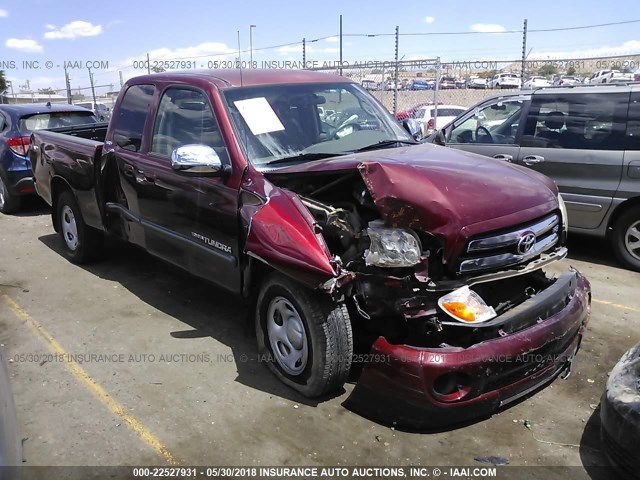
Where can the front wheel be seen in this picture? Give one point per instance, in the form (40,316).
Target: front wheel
(81,242)
(626,238)
(305,337)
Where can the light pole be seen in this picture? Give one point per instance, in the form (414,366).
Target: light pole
(251,27)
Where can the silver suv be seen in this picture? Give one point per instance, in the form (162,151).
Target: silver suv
(586,138)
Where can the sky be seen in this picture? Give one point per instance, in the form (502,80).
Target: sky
(38,36)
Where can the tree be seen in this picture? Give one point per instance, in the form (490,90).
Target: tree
(571,71)
(547,69)
(157,69)
(487,74)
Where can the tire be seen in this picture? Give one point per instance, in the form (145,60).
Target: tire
(81,243)
(9,203)
(317,334)
(626,238)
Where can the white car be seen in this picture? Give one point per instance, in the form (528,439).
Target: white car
(477,82)
(615,76)
(536,82)
(505,80)
(426,117)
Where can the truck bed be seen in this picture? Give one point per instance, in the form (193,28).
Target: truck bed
(69,155)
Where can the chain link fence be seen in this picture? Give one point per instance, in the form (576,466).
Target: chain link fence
(405,85)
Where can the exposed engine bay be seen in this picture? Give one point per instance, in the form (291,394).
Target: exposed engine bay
(392,292)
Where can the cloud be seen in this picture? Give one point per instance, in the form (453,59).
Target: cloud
(333,39)
(3,13)
(632,47)
(213,50)
(75,29)
(487,28)
(24,45)
(429,19)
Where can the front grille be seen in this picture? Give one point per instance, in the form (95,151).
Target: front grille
(512,247)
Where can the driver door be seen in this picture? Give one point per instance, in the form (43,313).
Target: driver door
(492,129)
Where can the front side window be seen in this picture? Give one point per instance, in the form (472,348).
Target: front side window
(588,121)
(303,122)
(132,116)
(495,123)
(184,117)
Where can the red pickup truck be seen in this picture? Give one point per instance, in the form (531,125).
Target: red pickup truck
(354,245)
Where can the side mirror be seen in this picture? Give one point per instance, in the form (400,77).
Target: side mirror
(440,138)
(198,160)
(412,126)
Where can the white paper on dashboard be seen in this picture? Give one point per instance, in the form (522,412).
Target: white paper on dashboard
(259,115)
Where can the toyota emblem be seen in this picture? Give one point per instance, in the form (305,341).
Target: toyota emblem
(526,242)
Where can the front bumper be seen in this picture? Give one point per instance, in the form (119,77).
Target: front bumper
(399,389)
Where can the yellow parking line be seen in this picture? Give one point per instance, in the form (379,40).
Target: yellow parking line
(617,305)
(78,372)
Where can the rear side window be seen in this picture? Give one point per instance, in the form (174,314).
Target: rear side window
(633,124)
(40,121)
(132,116)
(588,121)
(3,123)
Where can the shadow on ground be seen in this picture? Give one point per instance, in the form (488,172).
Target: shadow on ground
(592,249)
(205,310)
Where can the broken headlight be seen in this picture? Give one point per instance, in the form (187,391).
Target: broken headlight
(392,247)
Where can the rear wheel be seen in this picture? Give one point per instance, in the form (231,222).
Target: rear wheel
(9,203)
(304,337)
(626,238)
(81,242)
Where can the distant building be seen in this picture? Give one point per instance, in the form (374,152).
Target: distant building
(33,98)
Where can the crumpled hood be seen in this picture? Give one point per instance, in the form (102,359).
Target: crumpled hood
(448,193)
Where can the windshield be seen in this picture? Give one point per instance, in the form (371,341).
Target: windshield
(279,122)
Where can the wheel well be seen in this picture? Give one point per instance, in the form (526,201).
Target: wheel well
(620,209)
(58,186)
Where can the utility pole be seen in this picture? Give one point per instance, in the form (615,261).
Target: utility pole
(340,44)
(68,85)
(148,64)
(93,90)
(121,81)
(251,27)
(524,50)
(304,52)
(395,80)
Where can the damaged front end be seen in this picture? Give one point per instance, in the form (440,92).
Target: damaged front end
(390,245)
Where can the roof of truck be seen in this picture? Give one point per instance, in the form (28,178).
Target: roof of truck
(250,77)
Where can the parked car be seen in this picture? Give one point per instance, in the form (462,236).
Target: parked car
(460,83)
(587,139)
(432,118)
(565,80)
(10,439)
(447,82)
(419,85)
(620,415)
(16,123)
(476,82)
(332,232)
(505,80)
(616,76)
(601,76)
(411,112)
(101,111)
(536,82)
(370,84)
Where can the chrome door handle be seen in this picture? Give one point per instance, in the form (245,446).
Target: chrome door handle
(532,159)
(504,156)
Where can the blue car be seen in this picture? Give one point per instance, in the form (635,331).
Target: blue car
(16,124)
(419,85)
